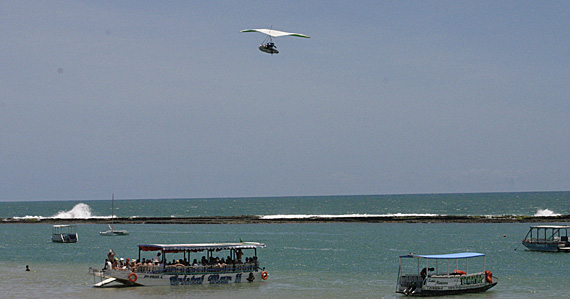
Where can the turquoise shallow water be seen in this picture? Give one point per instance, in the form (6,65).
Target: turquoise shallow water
(313,260)
(356,260)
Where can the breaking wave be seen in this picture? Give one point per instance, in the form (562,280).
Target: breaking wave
(545,213)
(302,216)
(79,211)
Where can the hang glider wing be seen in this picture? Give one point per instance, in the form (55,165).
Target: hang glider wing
(276,33)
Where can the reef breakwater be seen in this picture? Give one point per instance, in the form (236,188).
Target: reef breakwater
(248,219)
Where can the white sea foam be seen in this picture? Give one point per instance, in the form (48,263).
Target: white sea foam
(79,211)
(302,216)
(545,213)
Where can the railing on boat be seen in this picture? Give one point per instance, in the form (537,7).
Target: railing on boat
(544,241)
(197,269)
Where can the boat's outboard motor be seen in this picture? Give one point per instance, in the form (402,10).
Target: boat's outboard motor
(411,289)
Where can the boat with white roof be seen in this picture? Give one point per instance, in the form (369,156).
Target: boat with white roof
(430,275)
(186,264)
(552,238)
(64,233)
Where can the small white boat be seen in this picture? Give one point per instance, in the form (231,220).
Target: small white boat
(112,231)
(552,238)
(206,268)
(431,275)
(64,234)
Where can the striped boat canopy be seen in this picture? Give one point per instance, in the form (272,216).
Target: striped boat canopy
(199,247)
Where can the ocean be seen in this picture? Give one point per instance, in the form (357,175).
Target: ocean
(304,260)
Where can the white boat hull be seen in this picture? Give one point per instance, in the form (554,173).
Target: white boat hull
(129,278)
(445,284)
(114,233)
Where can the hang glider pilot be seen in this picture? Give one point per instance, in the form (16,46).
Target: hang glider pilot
(269,46)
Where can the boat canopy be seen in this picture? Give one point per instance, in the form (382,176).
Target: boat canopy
(550,226)
(200,247)
(460,255)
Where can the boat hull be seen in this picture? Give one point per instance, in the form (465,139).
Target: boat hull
(64,238)
(457,291)
(445,285)
(114,233)
(546,246)
(128,278)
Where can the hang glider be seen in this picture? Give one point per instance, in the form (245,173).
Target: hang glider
(267,45)
(276,33)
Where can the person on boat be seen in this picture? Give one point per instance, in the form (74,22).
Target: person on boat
(107,265)
(424,272)
(133,265)
(157,259)
(178,264)
(111,255)
(239,254)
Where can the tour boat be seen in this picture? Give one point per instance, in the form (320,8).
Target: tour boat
(191,264)
(64,234)
(430,275)
(552,238)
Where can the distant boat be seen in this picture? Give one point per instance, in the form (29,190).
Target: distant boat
(553,238)
(64,234)
(112,231)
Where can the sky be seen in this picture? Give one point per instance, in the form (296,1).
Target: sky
(167,99)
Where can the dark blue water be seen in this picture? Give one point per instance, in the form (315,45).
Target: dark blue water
(496,204)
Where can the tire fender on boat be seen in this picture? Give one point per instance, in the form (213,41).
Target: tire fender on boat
(488,276)
(133,277)
(264,275)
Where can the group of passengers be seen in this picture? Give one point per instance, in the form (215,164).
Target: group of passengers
(115,263)
(213,261)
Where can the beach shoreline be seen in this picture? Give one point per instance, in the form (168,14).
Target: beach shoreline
(252,219)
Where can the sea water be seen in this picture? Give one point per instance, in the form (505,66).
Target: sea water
(304,260)
(493,204)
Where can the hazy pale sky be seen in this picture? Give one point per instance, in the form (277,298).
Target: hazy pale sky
(163,99)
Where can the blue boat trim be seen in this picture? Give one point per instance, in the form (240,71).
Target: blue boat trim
(460,255)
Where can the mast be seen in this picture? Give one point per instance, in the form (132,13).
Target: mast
(112,209)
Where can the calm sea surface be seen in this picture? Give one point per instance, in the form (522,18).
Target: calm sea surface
(316,260)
